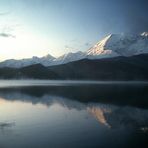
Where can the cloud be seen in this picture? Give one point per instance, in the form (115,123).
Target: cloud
(67,47)
(88,44)
(76,46)
(5,124)
(6,35)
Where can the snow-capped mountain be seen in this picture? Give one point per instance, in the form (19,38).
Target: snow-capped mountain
(120,45)
(100,51)
(46,61)
(111,46)
(69,57)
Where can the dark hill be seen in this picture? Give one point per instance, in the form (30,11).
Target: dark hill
(119,68)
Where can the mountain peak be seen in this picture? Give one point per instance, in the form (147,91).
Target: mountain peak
(35,58)
(120,45)
(111,46)
(69,57)
(48,56)
(100,49)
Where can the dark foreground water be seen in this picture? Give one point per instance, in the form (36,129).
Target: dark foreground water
(73,115)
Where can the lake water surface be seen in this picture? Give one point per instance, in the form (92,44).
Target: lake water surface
(73,114)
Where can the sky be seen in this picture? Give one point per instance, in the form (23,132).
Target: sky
(40,27)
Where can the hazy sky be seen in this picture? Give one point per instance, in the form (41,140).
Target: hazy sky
(39,27)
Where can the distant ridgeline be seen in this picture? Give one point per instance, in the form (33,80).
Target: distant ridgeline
(116,57)
(117,68)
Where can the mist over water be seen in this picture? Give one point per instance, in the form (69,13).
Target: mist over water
(33,82)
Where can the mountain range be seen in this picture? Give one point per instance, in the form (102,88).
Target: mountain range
(116,57)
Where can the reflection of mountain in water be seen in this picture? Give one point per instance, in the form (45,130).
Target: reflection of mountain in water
(99,114)
(120,117)
(109,115)
(134,95)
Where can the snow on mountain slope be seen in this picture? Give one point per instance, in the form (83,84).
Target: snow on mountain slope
(69,57)
(100,51)
(46,61)
(111,46)
(120,45)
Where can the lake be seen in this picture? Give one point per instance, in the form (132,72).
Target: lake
(73,114)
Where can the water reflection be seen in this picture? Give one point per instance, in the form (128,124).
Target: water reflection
(111,116)
(72,117)
(133,95)
(121,117)
(99,113)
